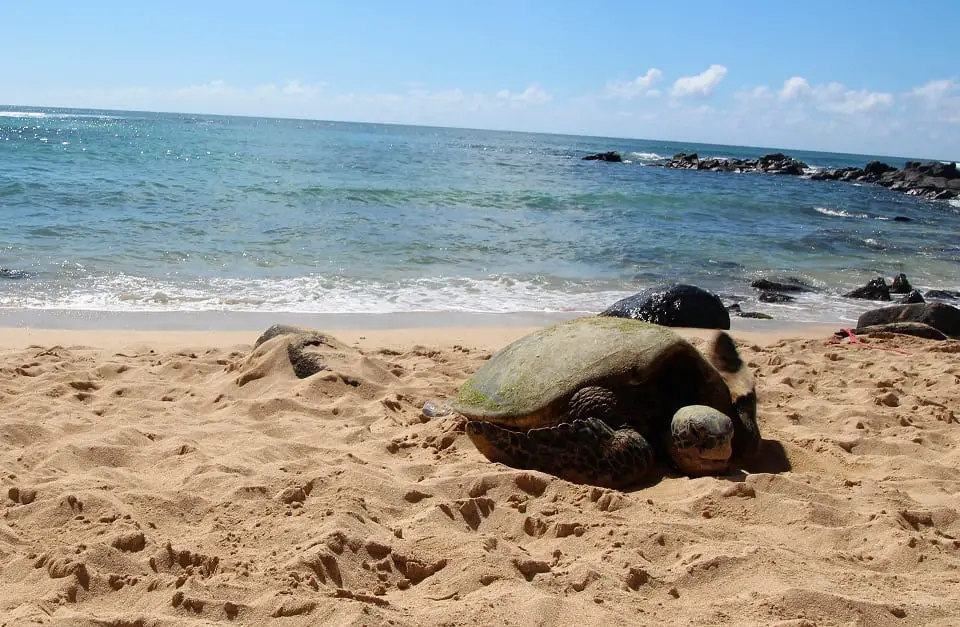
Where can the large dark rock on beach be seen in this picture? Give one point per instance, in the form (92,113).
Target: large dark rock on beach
(941,294)
(877,289)
(674,305)
(945,318)
(611,156)
(916,329)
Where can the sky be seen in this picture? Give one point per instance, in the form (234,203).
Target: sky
(875,78)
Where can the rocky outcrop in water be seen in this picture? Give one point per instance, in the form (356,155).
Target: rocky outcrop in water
(776,291)
(735,309)
(932,179)
(912,297)
(789,285)
(775,297)
(876,289)
(900,285)
(612,156)
(775,163)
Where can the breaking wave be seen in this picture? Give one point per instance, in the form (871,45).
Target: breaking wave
(840,213)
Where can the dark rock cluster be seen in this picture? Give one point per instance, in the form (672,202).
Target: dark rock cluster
(612,156)
(775,163)
(878,289)
(679,305)
(932,179)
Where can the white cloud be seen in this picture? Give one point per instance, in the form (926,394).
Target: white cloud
(700,85)
(448,96)
(213,88)
(934,91)
(296,88)
(640,86)
(828,98)
(794,88)
(531,95)
(761,92)
(942,98)
(836,98)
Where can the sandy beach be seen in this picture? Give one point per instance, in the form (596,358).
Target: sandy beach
(184,477)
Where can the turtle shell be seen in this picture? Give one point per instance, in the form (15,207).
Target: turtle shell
(528,383)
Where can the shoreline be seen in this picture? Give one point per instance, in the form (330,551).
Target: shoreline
(107,330)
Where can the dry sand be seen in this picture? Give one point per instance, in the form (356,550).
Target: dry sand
(184,478)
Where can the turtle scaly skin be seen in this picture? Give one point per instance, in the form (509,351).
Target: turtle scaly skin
(597,400)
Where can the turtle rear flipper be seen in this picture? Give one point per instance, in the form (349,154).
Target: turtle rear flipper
(723,354)
(582,451)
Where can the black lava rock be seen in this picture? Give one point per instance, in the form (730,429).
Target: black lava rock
(916,329)
(737,311)
(945,318)
(912,298)
(766,285)
(775,297)
(673,305)
(877,289)
(900,285)
(942,294)
(611,156)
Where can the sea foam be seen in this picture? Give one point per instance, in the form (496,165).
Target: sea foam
(839,213)
(317,294)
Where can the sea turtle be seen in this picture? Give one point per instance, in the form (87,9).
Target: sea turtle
(594,400)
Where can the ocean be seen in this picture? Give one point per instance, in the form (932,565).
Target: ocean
(110,213)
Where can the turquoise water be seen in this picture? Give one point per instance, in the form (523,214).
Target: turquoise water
(150,212)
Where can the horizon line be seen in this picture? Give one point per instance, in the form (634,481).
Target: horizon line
(13,108)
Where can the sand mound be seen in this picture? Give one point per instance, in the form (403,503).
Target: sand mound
(152,487)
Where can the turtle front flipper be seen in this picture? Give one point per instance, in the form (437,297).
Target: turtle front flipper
(701,440)
(723,354)
(582,451)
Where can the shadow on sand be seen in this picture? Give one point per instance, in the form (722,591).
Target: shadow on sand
(771,458)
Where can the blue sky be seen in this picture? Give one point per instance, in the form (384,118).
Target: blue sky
(878,78)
